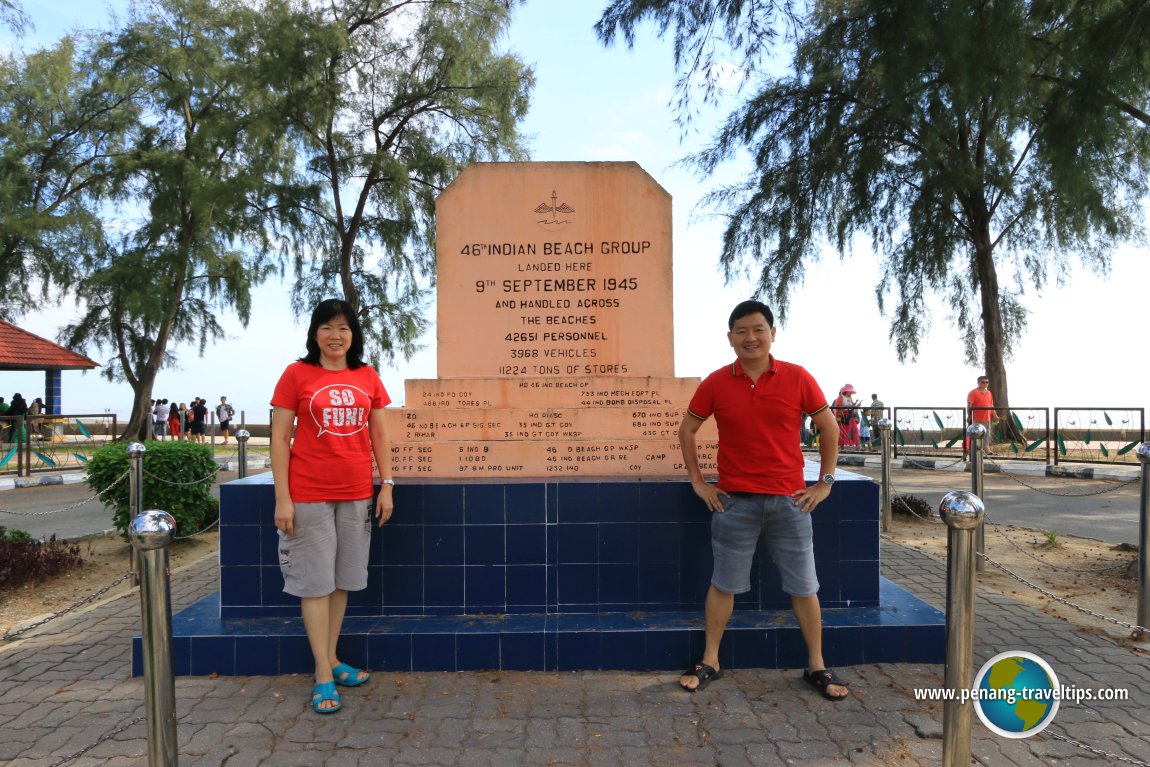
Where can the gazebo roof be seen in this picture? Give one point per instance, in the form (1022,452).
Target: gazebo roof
(21,350)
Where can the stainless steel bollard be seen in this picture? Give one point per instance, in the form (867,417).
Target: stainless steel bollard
(1144,544)
(150,533)
(242,437)
(963,513)
(884,430)
(136,452)
(978,434)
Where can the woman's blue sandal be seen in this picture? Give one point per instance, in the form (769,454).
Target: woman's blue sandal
(348,676)
(322,693)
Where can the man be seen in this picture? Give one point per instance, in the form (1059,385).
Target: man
(199,419)
(876,411)
(980,402)
(758,403)
(224,413)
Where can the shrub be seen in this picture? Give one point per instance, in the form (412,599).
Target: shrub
(178,478)
(911,506)
(24,560)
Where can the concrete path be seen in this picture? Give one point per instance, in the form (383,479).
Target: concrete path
(65,691)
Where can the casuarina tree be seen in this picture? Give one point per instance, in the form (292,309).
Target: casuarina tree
(983,147)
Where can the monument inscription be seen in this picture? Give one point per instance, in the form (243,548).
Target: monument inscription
(554,269)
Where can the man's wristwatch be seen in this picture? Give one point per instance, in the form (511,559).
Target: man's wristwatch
(388,482)
(828,479)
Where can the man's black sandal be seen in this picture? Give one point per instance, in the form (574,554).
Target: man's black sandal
(821,680)
(704,673)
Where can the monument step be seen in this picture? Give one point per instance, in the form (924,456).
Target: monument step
(511,424)
(547,457)
(550,392)
(902,629)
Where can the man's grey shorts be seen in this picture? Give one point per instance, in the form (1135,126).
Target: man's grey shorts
(735,533)
(329,549)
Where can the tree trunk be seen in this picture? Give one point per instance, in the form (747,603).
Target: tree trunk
(993,333)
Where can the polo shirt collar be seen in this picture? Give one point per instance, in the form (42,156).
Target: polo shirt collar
(737,367)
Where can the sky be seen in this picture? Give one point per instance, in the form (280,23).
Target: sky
(1080,349)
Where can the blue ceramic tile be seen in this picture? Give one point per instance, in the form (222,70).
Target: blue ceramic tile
(241,585)
(484,504)
(579,502)
(272,589)
(622,650)
(434,652)
(858,539)
(486,588)
(619,542)
(389,652)
(662,542)
(443,586)
(477,652)
(269,547)
(750,648)
(443,504)
(580,650)
(257,655)
(523,651)
(526,585)
(884,644)
(619,586)
(484,545)
(241,546)
(658,585)
(673,648)
(619,502)
(843,645)
(402,544)
(213,655)
(525,503)
(295,655)
(408,505)
(577,543)
(578,584)
(526,544)
(403,586)
(443,545)
(671,501)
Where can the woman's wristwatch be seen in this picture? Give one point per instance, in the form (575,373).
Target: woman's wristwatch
(388,482)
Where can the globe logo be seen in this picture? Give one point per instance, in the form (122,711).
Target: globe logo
(1016,694)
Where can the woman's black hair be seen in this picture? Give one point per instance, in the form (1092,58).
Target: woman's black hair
(324,312)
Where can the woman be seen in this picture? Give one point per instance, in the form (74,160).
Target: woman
(847,413)
(185,420)
(174,422)
(323,483)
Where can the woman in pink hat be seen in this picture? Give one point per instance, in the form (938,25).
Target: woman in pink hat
(847,413)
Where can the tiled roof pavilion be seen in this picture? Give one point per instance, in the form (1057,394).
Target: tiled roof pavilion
(21,350)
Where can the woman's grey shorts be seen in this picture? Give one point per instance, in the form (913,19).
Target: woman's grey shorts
(329,549)
(735,533)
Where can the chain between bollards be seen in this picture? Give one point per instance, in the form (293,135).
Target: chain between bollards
(136,452)
(884,430)
(242,437)
(978,436)
(963,514)
(151,533)
(1144,543)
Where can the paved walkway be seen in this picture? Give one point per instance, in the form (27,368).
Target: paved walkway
(67,690)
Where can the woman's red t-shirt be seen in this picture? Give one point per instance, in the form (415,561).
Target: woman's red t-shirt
(331,452)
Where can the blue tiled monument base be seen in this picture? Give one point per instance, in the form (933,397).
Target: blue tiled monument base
(549,575)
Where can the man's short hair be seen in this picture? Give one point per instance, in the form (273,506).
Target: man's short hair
(750,307)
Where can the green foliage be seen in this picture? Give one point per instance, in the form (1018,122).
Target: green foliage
(24,560)
(980,146)
(396,101)
(1052,538)
(178,478)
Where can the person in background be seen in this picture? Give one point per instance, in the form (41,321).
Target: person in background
(199,419)
(323,484)
(224,413)
(174,430)
(18,406)
(35,421)
(185,421)
(875,411)
(758,403)
(980,402)
(846,411)
(160,419)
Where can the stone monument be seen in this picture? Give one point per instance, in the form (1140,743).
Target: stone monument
(543,517)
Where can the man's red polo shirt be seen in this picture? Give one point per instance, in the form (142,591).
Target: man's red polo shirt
(979,402)
(759,425)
